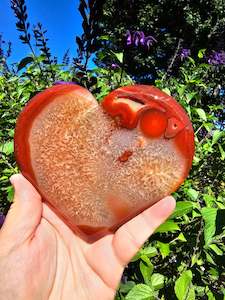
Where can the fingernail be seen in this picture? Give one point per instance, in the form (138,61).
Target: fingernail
(14,178)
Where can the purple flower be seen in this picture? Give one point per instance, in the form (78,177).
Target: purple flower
(2,219)
(114,66)
(149,41)
(64,82)
(138,38)
(142,38)
(185,53)
(136,41)
(217,58)
(128,38)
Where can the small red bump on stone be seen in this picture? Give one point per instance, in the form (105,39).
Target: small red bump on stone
(125,156)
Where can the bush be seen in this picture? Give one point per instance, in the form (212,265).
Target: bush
(185,258)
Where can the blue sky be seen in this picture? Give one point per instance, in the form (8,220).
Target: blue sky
(60,17)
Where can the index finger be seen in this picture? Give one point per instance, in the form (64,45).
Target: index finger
(132,235)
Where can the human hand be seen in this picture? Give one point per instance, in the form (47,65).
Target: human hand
(41,258)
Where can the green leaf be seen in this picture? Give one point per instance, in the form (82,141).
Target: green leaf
(10,193)
(146,272)
(140,292)
(145,253)
(181,89)
(157,281)
(208,126)
(194,260)
(183,286)
(7,148)
(119,56)
(216,249)
(24,62)
(104,38)
(200,291)
(217,134)
(210,296)
(201,114)
(190,96)
(182,208)
(126,287)
(196,160)
(214,273)
(147,261)
(191,294)
(209,200)
(191,60)
(209,258)
(164,249)
(209,216)
(193,194)
(222,152)
(167,91)
(181,237)
(201,53)
(168,226)
(149,251)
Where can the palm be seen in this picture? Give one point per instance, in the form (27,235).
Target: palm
(57,264)
(74,262)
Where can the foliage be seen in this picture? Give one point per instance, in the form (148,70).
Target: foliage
(185,258)
(188,250)
(178,28)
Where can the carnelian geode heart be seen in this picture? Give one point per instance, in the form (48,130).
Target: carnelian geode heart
(97,165)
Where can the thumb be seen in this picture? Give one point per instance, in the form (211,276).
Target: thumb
(24,214)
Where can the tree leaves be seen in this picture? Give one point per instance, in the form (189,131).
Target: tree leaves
(126,287)
(216,249)
(201,113)
(146,272)
(222,151)
(201,53)
(140,292)
(192,193)
(186,249)
(119,56)
(217,134)
(209,216)
(183,286)
(7,148)
(168,226)
(182,208)
(164,249)
(157,281)
(24,62)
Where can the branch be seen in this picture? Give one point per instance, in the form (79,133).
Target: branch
(173,59)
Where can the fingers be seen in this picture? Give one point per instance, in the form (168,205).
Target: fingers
(24,214)
(104,262)
(132,235)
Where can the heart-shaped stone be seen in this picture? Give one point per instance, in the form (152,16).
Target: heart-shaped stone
(97,165)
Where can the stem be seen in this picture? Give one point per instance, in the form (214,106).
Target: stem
(6,161)
(36,60)
(197,240)
(87,56)
(197,131)
(31,48)
(173,59)
(122,69)
(209,134)
(48,58)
